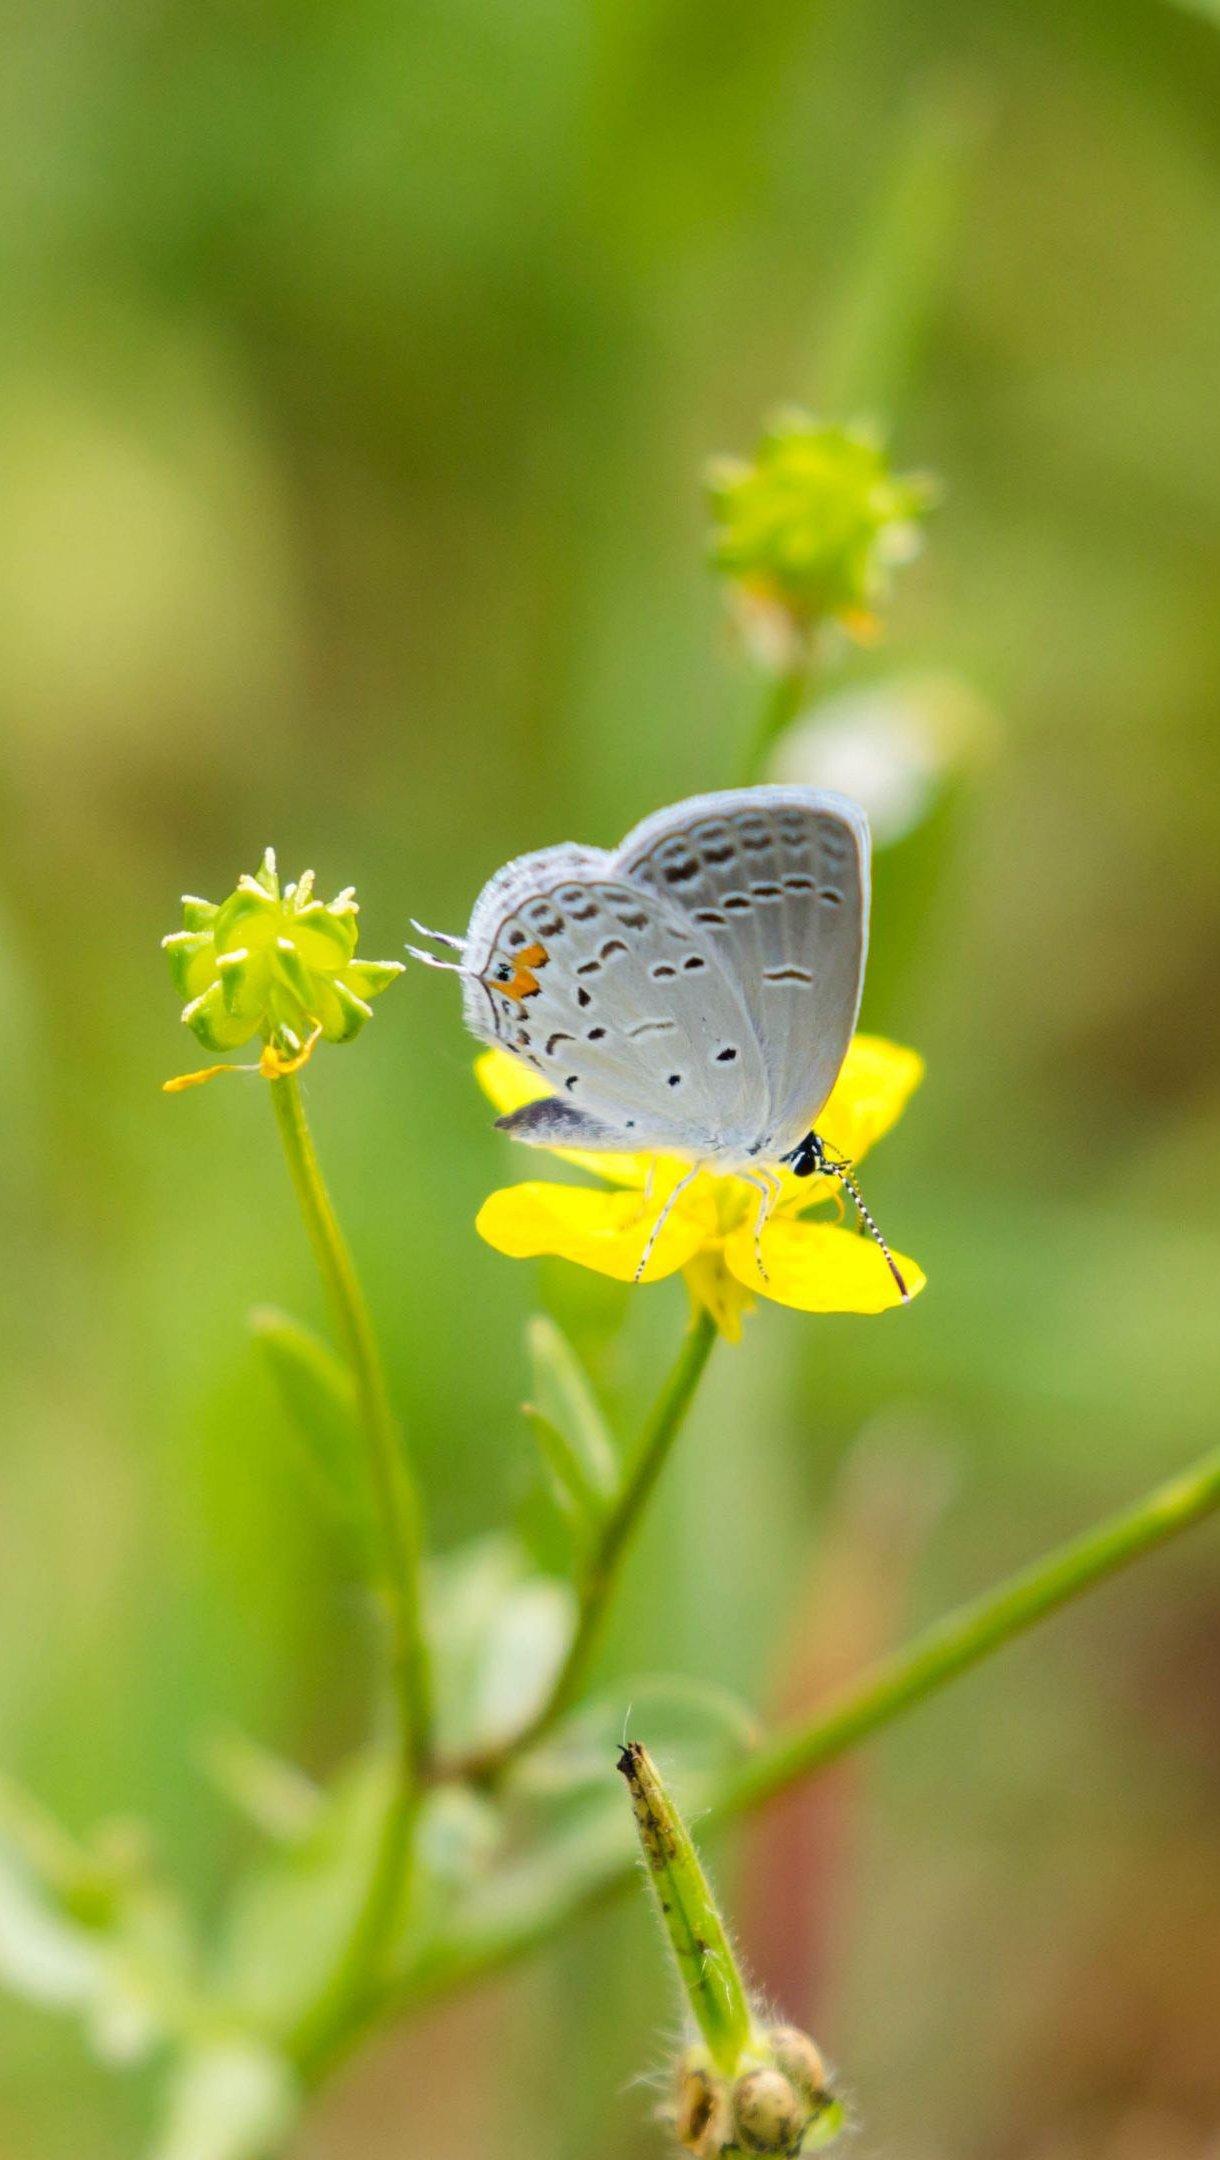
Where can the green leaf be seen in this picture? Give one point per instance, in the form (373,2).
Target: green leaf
(86,1929)
(525,1898)
(500,1632)
(568,1424)
(291,1916)
(319,1395)
(231,2100)
(271,1793)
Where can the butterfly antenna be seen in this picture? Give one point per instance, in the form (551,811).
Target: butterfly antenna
(447,967)
(438,937)
(842,1171)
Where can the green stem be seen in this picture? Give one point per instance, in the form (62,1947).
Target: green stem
(689,1915)
(401,1541)
(397,1506)
(883,1694)
(963,1638)
(602,1572)
(785,696)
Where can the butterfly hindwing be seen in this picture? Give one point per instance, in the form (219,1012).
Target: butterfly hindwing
(778,879)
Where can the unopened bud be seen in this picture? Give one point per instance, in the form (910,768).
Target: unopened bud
(702,2116)
(768,2111)
(793,2052)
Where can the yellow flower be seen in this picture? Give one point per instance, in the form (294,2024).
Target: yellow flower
(812,1266)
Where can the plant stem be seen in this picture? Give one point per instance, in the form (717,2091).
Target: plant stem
(601,1575)
(398,1515)
(964,1637)
(785,696)
(884,1693)
(397,1504)
(688,1913)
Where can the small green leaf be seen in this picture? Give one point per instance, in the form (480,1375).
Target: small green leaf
(319,1395)
(291,1916)
(86,1928)
(230,2100)
(499,1631)
(271,1793)
(567,1420)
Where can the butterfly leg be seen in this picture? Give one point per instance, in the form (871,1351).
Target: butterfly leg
(768,1185)
(666,1211)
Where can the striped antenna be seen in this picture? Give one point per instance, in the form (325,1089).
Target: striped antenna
(842,1171)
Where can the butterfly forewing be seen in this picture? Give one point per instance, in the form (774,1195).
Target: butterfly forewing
(616,998)
(778,879)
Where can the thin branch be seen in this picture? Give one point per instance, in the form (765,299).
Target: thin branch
(884,1693)
(398,1514)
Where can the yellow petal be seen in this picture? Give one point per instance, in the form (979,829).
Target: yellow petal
(817,1267)
(605,1231)
(508,1083)
(870,1094)
(711,1285)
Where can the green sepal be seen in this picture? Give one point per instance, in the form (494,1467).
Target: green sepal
(191,961)
(368,978)
(827,2125)
(198,914)
(248,917)
(267,875)
(353,1010)
(289,966)
(216,1029)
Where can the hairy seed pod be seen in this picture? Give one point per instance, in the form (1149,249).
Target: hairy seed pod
(702,2120)
(768,2111)
(793,2052)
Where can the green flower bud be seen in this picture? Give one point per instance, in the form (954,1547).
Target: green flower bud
(809,531)
(274,963)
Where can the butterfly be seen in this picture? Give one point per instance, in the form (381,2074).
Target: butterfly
(691,992)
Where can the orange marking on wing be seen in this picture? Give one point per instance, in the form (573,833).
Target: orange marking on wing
(525,983)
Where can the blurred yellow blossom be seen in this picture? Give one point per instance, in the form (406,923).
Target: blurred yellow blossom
(812,1266)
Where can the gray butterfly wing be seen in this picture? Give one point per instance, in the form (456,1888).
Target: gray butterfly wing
(618,1000)
(778,879)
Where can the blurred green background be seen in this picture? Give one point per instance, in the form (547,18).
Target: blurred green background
(357,368)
